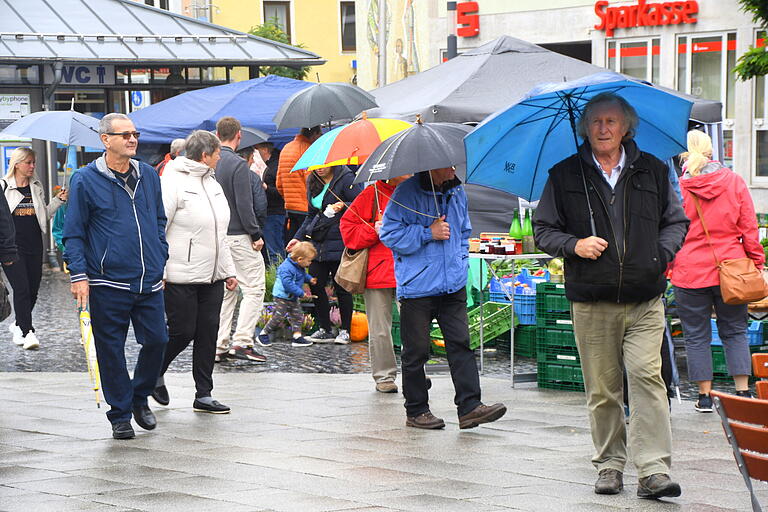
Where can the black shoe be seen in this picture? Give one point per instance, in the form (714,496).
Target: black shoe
(144,417)
(123,430)
(704,403)
(658,486)
(745,393)
(214,407)
(609,481)
(160,394)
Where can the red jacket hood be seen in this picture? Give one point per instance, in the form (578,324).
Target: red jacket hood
(709,185)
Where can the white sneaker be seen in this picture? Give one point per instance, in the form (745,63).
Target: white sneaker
(342,338)
(18,338)
(30,341)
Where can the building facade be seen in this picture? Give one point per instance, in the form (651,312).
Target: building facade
(325,27)
(691,46)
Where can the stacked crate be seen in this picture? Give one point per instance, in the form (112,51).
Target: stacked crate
(525,340)
(559,366)
(757,344)
(496,320)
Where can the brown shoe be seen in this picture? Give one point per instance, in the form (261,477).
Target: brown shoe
(658,485)
(425,420)
(386,387)
(609,481)
(482,414)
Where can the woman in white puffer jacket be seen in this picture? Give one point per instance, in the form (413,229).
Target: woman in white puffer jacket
(199,263)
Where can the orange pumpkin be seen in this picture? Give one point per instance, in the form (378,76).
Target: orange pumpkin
(358,330)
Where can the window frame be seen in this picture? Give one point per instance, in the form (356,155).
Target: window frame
(649,42)
(288,19)
(759,123)
(342,3)
(728,124)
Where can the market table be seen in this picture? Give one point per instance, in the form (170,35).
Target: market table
(511,297)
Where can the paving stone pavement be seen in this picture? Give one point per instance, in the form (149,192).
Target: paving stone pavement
(324,442)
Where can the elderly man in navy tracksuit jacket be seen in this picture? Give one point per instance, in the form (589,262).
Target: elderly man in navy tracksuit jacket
(114,237)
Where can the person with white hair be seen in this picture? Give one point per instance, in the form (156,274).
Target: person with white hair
(177,148)
(199,264)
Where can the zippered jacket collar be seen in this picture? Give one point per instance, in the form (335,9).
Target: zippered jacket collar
(103,168)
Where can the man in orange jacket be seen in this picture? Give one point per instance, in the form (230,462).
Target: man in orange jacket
(293,185)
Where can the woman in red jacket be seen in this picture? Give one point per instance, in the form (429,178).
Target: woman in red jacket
(729,216)
(360,230)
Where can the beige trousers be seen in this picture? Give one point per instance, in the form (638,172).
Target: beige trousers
(611,337)
(378,309)
(249,270)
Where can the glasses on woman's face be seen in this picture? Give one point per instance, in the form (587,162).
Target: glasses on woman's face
(126,135)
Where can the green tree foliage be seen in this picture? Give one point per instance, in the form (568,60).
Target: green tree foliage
(755,61)
(271,30)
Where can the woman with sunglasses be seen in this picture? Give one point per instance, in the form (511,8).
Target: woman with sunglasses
(26,201)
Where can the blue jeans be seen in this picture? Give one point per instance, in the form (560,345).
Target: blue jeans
(274,237)
(111,312)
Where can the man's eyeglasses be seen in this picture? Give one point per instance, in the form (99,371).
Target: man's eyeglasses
(126,135)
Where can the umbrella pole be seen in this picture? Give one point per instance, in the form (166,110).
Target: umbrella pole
(434,195)
(572,119)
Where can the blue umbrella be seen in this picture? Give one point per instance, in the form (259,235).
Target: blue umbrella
(513,149)
(62,126)
(253,102)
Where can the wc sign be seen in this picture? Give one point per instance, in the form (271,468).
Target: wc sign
(83,75)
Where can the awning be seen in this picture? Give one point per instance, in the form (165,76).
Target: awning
(124,31)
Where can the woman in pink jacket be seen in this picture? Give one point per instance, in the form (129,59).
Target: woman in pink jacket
(729,216)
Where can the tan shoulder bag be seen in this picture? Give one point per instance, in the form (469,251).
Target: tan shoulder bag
(740,280)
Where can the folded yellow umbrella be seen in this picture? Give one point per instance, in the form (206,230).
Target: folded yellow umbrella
(86,338)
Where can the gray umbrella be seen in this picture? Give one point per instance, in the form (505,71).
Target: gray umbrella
(422,147)
(322,103)
(251,137)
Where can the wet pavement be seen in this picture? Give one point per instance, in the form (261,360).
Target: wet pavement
(303,442)
(56,322)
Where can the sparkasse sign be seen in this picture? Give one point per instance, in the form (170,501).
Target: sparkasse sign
(644,14)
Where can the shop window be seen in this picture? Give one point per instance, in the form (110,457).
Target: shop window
(705,68)
(20,74)
(638,58)
(348,41)
(162,4)
(279,14)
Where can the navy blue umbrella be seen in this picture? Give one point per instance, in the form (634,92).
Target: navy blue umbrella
(514,148)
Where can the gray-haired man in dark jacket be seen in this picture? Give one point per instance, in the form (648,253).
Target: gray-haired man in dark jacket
(614,279)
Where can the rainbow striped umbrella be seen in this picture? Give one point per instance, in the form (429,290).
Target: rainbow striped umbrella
(350,144)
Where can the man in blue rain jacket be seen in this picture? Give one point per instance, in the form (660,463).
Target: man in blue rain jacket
(426,225)
(115,248)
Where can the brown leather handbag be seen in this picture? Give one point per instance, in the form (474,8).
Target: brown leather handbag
(740,280)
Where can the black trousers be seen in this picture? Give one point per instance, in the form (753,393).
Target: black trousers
(323,271)
(416,315)
(295,220)
(24,276)
(192,311)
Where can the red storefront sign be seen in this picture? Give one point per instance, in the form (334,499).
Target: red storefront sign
(644,14)
(467,19)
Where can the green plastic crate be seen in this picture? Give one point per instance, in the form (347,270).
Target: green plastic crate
(525,340)
(497,320)
(558,376)
(358,303)
(565,355)
(551,299)
(397,342)
(547,288)
(719,365)
(555,321)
